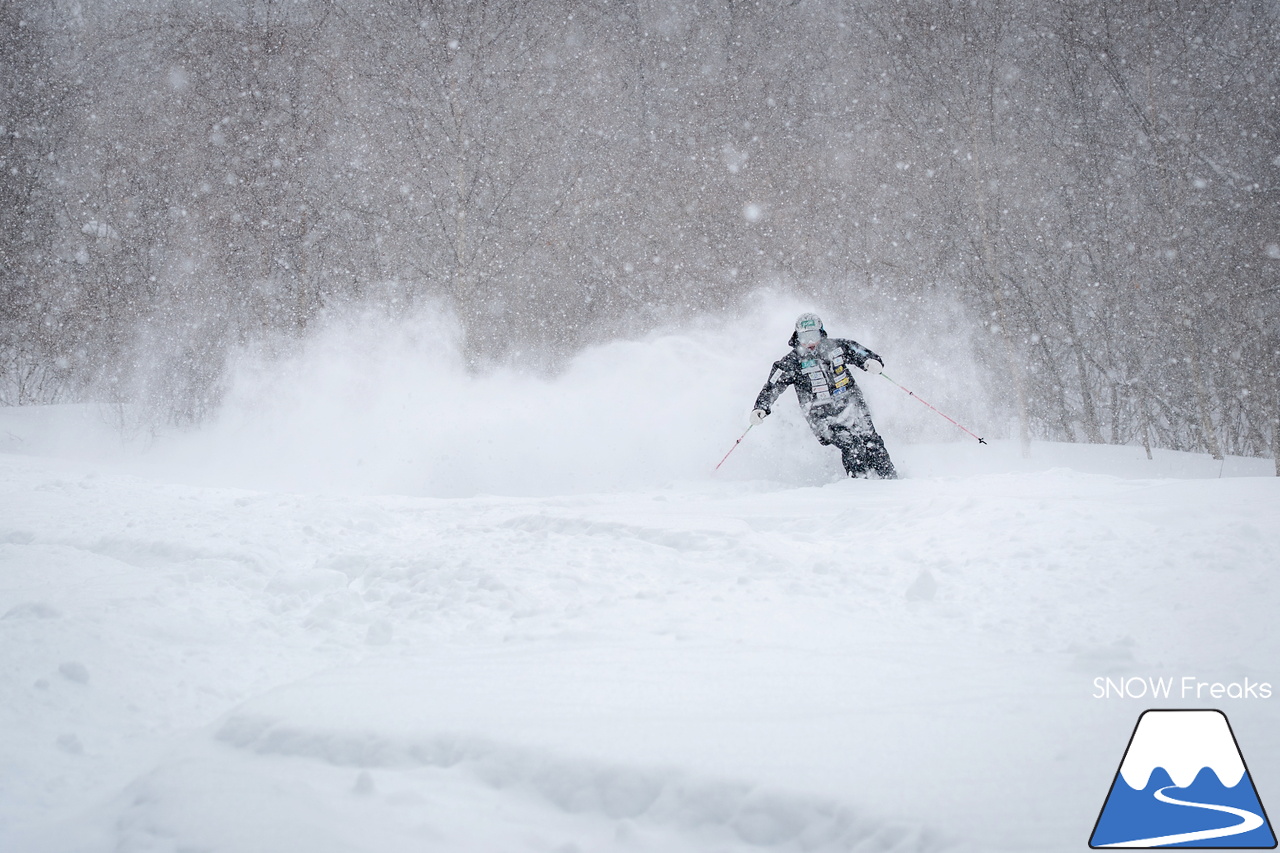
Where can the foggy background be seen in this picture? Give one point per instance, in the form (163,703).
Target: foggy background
(1066,213)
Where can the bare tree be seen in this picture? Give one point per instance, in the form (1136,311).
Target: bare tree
(34,362)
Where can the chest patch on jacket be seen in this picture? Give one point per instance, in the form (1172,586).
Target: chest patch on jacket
(840,375)
(812,370)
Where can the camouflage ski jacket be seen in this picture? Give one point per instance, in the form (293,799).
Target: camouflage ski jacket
(823,380)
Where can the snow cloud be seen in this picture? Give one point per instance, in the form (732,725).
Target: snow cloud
(373,404)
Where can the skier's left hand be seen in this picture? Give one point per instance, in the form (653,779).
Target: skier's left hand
(871,365)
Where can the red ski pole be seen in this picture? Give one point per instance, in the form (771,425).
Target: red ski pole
(735,447)
(926,402)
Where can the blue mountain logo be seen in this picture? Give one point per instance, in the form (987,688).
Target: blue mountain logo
(1183,783)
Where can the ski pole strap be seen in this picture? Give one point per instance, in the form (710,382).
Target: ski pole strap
(926,402)
(735,446)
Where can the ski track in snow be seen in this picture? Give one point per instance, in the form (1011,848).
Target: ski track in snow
(866,666)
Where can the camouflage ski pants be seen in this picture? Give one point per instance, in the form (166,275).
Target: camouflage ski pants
(850,429)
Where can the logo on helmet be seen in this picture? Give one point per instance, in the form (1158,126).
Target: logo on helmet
(808,322)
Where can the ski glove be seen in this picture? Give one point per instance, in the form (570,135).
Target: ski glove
(872,366)
(756,416)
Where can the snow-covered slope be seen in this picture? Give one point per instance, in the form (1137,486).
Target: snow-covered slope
(770,659)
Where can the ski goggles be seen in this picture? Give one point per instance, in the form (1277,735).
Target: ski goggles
(809,338)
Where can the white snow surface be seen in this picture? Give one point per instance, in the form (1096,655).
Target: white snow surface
(1183,743)
(383,604)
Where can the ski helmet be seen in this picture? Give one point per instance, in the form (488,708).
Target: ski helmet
(808,331)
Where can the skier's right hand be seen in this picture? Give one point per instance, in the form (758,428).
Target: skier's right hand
(756,416)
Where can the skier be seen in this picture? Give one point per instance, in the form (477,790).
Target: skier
(831,401)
